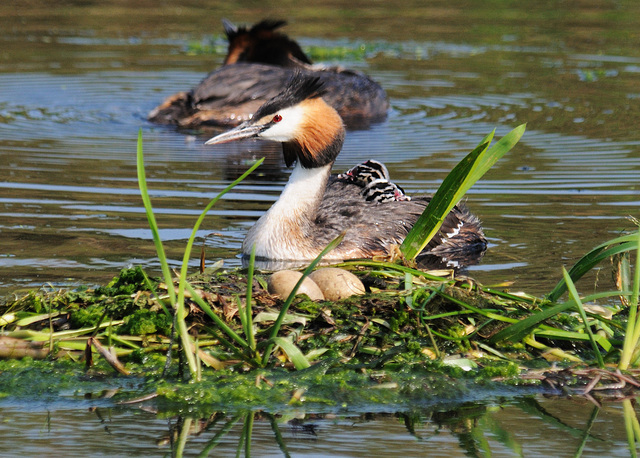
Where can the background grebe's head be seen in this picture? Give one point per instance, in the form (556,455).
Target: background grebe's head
(310,130)
(263,44)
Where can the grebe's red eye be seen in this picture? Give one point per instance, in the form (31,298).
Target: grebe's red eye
(277,118)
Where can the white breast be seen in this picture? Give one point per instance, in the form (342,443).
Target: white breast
(279,233)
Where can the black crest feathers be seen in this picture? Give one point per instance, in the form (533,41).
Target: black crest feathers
(300,87)
(267,25)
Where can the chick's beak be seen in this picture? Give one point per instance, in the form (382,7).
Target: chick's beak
(239,133)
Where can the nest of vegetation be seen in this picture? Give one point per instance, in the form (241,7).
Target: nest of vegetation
(406,318)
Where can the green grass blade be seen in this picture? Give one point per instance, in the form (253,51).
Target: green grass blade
(516,332)
(179,300)
(493,154)
(633,302)
(631,237)
(572,336)
(632,334)
(153,225)
(522,328)
(242,315)
(250,335)
(454,187)
(592,258)
(440,205)
(293,352)
(480,311)
(395,267)
(188,344)
(573,293)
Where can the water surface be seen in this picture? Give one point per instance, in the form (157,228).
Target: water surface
(76,83)
(523,426)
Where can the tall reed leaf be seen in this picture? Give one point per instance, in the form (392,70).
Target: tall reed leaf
(573,294)
(178,302)
(518,331)
(632,334)
(594,257)
(153,225)
(454,187)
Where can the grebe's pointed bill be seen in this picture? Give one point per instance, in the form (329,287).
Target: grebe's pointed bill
(241,132)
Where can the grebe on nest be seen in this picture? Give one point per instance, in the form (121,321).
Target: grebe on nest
(258,64)
(315,207)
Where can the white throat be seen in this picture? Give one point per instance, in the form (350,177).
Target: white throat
(280,233)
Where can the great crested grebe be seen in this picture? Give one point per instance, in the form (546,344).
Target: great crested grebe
(315,207)
(259,62)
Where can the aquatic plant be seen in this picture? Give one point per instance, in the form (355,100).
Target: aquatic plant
(244,347)
(177,301)
(533,326)
(468,171)
(454,187)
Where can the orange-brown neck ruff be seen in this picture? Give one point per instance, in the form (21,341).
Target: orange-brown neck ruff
(318,138)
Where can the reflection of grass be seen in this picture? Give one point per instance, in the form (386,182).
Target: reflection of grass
(480,428)
(358,51)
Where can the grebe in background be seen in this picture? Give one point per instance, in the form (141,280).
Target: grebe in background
(261,44)
(315,207)
(259,62)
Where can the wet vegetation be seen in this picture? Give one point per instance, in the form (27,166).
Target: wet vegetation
(219,338)
(416,340)
(216,45)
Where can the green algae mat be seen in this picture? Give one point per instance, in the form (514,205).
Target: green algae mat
(414,338)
